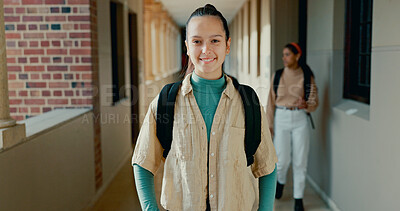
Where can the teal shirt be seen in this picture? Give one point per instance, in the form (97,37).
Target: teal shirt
(207,94)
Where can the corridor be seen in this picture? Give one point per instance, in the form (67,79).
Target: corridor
(121,195)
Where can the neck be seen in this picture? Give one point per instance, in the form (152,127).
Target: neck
(209,76)
(293,67)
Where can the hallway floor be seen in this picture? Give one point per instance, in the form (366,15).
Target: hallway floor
(121,195)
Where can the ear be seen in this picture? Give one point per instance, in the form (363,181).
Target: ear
(187,48)
(228,46)
(298,56)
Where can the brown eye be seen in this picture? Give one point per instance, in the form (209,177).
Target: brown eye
(214,41)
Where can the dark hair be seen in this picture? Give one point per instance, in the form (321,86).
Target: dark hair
(302,60)
(207,10)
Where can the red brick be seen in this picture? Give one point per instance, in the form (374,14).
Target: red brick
(69,93)
(12,2)
(57,51)
(77,76)
(56,43)
(46,109)
(45,43)
(14,68)
(13,36)
(34,68)
(20,10)
(35,109)
(11,18)
(32,18)
(86,76)
(85,26)
(23,93)
(33,35)
(26,2)
(33,52)
(36,84)
(76,26)
(22,60)
(80,52)
(23,110)
(57,93)
(75,10)
(57,76)
(68,60)
(35,76)
(55,18)
(15,101)
(34,101)
(79,18)
(22,44)
(45,60)
(57,68)
(85,43)
(13,52)
(35,93)
(79,35)
(46,76)
(33,44)
(81,101)
(34,60)
(57,101)
(81,68)
(13,110)
(58,35)
(55,1)
(87,93)
(58,85)
(8,10)
(78,2)
(46,93)
(12,76)
(21,27)
(67,43)
(16,85)
(67,26)
(86,60)
(32,26)
(11,60)
(12,93)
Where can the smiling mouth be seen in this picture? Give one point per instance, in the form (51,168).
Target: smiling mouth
(207,60)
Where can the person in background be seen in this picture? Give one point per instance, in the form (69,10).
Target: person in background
(288,112)
(206,168)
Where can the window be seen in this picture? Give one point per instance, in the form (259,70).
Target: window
(117,48)
(357,76)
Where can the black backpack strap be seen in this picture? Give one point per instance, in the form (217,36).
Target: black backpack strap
(165,115)
(277,78)
(307,83)
(251,104)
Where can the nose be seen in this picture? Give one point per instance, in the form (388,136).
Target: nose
(206,48)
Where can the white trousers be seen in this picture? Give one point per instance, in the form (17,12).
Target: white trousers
(292,143)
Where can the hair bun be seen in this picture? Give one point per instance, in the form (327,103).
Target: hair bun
(210,6)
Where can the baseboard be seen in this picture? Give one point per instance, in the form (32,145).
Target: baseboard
(107,183)
(331,204)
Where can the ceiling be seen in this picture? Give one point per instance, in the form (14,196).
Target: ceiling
(180,10)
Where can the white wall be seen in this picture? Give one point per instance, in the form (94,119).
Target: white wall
(52,171)
(353,157)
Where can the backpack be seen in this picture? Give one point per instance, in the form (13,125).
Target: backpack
(306,86)
(165,117)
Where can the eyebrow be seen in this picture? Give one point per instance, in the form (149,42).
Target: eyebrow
(216,35)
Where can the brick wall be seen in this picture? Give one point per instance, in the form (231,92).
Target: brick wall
(48,55)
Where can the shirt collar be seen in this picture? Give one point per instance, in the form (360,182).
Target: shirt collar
(187,86)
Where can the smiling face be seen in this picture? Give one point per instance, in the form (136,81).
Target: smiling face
(290,59)
(207,46)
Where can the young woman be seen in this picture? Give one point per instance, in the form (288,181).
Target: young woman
(206,167)
(288,119)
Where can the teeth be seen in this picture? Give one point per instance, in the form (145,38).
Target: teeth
(207,60)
